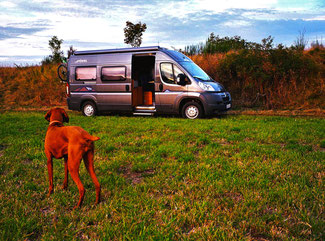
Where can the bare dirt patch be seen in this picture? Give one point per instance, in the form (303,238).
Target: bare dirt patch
(135,177)
(235,196)
(296,112)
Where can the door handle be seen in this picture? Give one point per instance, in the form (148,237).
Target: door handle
(161,87)
(127,88)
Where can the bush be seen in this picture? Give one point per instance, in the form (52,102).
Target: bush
(269,77)
(31,86)
(216,44)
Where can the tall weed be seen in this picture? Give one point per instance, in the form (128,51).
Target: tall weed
(31,86)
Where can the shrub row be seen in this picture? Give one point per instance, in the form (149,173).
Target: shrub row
(270,78)
(273,78)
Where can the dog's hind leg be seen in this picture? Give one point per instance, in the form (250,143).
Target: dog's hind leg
(74,159)
(65,182)
(50,171)
(89,163)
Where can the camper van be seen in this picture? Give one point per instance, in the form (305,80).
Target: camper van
(142,81)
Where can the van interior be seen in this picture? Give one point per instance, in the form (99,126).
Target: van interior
(143,81)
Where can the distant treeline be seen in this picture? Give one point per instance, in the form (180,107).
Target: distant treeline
(215,44)
(256,75)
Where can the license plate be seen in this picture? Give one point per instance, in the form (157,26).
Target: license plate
(228,106)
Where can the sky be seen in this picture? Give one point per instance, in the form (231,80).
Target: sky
(27,26)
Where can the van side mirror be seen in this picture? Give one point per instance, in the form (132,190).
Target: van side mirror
(181,79)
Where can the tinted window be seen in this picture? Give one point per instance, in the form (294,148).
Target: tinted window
(169,72)
(167,75)
(177,71)
(86,73)
(113,73)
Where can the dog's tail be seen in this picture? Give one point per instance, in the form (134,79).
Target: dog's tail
(93,138)
(87,136)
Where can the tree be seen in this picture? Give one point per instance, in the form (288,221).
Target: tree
(216,44)
(57,55)
(71,51)
(267,43)
(133,33)
(301,43)
(55,46)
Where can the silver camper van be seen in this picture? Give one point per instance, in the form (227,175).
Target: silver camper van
(142,81)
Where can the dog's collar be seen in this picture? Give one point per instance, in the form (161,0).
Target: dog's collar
(55,122)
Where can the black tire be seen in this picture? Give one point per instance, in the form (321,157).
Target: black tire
(192,110)
(63,72)
(89,109)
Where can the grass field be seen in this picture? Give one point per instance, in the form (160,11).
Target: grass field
(164,178)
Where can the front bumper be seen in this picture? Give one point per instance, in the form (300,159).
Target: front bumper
(216,102)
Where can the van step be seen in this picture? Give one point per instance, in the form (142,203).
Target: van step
(143,113)
(145,107)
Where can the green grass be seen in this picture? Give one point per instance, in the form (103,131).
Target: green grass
(236,177)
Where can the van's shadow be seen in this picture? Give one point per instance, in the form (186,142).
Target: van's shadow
(165,116)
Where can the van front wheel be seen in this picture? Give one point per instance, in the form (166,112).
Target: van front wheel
(192,110)
(88,109)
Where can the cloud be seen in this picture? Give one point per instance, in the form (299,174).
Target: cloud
(221,6)
(26,26)
(315,18)
(13,32)
(6,4)
(20,60)
(237,23)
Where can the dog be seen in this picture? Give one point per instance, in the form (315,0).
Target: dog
(73,144)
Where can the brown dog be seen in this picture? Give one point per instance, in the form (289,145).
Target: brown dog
(73,144)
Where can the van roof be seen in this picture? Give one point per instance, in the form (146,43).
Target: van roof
(121,50)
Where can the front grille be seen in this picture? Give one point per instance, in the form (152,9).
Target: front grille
(225,98)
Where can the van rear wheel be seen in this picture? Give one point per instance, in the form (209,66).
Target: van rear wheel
(192,110)
(88,108)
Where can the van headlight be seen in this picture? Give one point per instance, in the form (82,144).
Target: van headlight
(206,87)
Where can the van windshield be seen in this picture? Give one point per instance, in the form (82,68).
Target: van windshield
(196,71)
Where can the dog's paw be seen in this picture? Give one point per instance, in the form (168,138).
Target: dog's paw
(50,192)
(76,207)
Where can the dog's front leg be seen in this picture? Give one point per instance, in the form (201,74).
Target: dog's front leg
(50,171)
(65,182)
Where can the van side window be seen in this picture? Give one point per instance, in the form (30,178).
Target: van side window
(166,70)
(177,71)
(169,72)
(85,73)
(113,73)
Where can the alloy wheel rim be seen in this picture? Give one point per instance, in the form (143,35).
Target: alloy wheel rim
(89,110)
(192,112)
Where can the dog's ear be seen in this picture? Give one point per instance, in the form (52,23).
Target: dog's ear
(65,116)
(48,115)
